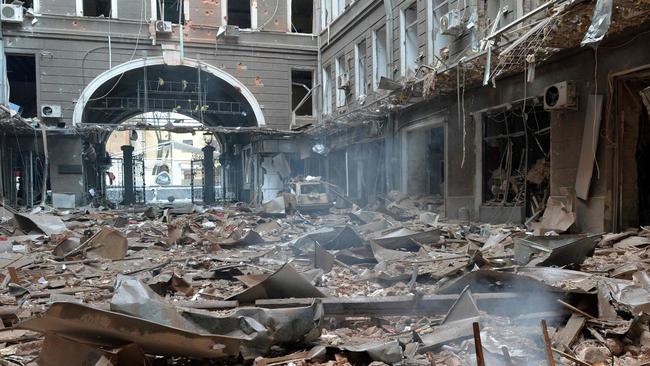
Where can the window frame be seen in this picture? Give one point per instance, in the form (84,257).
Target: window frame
(79,5)
(360,73)
(339,65)
(313,79)
(327,90)
(403,30)
(377,71)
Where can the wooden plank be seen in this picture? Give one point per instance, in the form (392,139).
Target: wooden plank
(567,335)
(589,145)
(14,275)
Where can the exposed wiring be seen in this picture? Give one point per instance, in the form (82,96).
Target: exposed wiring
(277,5)
(135,49)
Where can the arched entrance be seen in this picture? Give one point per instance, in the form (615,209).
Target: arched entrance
(206,92)
(167,163)
(192,90)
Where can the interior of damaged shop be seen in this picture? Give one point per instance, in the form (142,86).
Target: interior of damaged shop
(326,182)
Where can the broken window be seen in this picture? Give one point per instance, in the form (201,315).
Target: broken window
(438,43)
(379,56)
(360,68)
(342,81)
(171,11)
(301,93)
(327,90)
(97,8)
(21,74)
(516,159)
(27,4)
(239,13)
(409,37)
(302,12)
(326,13)
(338,8)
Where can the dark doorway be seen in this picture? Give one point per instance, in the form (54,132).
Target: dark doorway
(302,12)
(301,84)
(425,160)
(21,73)
(239,13)
(631,187)
(97,8)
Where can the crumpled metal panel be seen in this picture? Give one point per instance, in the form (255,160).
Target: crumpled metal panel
(257,328)
(284,283)
(600,22)
(263,327)
(555,250)
(48,224)
(106,328)
(134,298)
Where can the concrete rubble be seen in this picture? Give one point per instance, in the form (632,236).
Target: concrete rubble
(191,285)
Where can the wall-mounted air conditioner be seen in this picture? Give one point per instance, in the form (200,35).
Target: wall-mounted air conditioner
(11,13)
(163,26)
(451,23)
(50,111)
(344,82)
(560,96)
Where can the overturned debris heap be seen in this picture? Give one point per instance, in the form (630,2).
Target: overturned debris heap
(195,286)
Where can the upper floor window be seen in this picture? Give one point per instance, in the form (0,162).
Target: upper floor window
(409,39)
(239,13)
(330,10)
(171,11)
(97,8)
(302,13)
(360,68)
(327,90)
(379,56)
(342,81)
(301,92)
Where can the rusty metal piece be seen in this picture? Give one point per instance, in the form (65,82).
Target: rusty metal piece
(106,328)
(547,342)
(480,359)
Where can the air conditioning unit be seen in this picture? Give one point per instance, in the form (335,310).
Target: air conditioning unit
(11,13)
(344,82)
(163,26)
(451,23)
(50,111)
(560,96)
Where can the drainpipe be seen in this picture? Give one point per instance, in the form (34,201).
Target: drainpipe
(319,67)
(181,6)
(388,7)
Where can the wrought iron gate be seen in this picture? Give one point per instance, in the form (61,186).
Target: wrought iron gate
(196,179)
(114,180)
(139,183)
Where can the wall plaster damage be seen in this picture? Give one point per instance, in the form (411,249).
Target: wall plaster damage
(336,182)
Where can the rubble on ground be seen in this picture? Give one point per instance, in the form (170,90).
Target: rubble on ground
(395,283)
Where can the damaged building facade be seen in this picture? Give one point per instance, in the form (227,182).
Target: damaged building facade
(325,183)
(495,106)
(488,111)
(78,71)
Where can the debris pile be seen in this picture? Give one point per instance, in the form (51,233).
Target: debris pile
(390,284)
